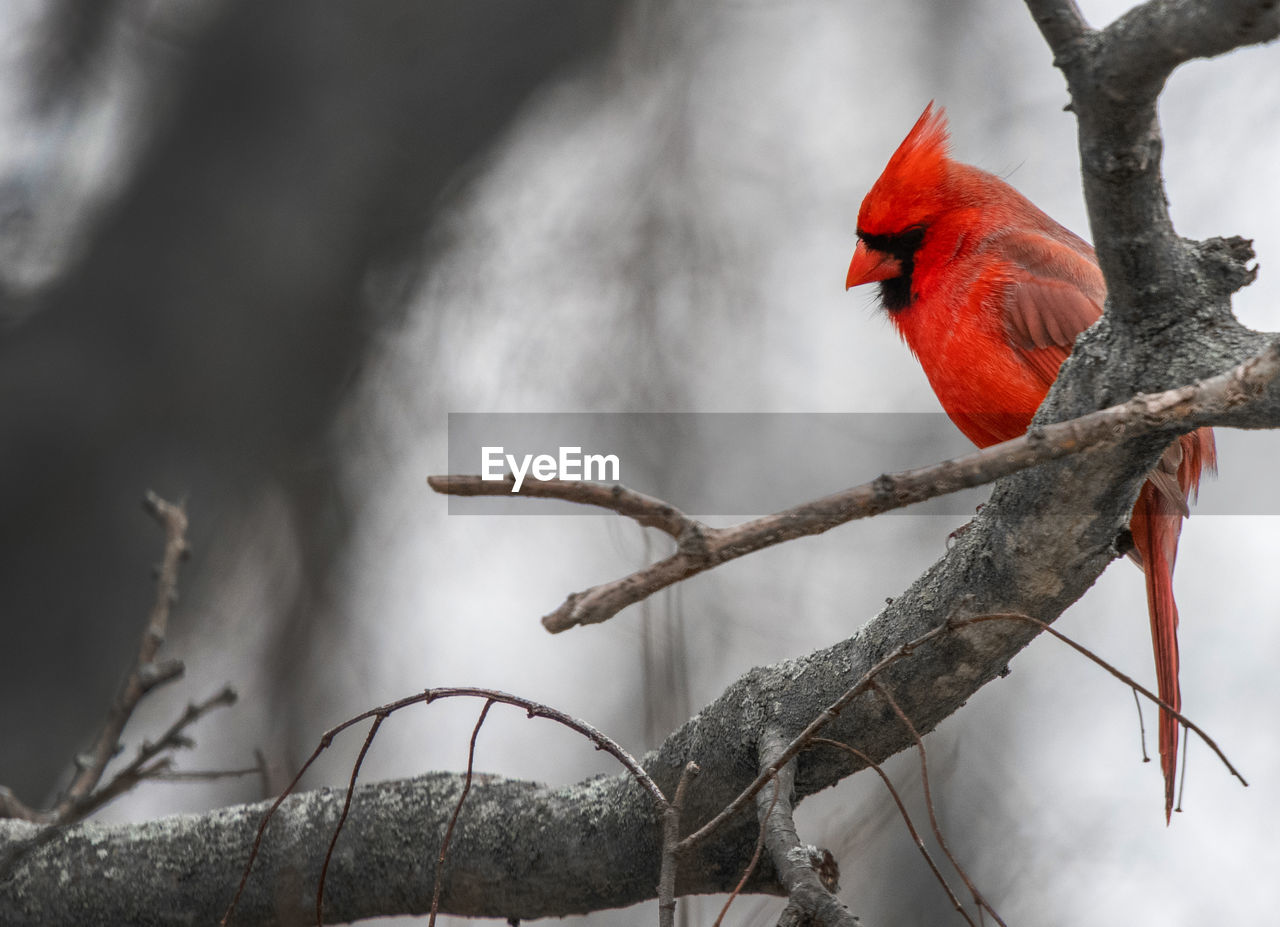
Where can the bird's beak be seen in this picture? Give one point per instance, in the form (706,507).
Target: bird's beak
(869,266)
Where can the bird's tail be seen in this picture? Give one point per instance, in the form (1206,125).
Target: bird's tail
(1156,525)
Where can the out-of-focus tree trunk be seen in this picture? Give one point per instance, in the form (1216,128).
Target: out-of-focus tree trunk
(197,309)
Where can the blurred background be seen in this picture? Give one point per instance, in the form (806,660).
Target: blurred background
(252,255)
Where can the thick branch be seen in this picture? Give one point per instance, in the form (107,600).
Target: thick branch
(1062,25)
(1141,48)
(1115,77)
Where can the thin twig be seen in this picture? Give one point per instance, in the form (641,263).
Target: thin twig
(145,766)
(11,806)
(325,741)
(603,742)
(145,674)
(205,775)
(342,818)
(457,810)
(640,508)
(826,716)
(702,548)
(1127,680)
(264,771)
(906,817)
(1142,727)
(141,767)
(832,711)
(978,899)
(670,841)
(1182,774)
(531,708)
(755,859)
(85,794)
(538,710)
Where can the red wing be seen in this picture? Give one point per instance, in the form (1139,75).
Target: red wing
(1056,291)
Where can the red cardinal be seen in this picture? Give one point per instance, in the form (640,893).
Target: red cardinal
(990,293)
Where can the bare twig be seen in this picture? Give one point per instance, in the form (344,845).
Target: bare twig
(85,794)
(702,548)
(145,675)
(142,766)
(147,765)
(205,775)
(829,714)
(670,842)
(264,771)
(457,810)
(346,808)
(11,806)
(752,863)
(640,508)
(1182,775)
(784,755)
(978,899)
(325,740)
(867,680)
(1142,727)
(537,710)
(531,708)
(1126,679)
(906,817)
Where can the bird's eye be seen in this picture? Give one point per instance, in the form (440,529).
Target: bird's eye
(899,244)
(911,237)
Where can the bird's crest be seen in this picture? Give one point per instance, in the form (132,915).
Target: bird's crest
(905,193)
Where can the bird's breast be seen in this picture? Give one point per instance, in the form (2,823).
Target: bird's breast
(964,349)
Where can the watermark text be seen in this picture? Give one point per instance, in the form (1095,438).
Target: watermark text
(569,463)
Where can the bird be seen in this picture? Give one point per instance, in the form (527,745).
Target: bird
(989,293)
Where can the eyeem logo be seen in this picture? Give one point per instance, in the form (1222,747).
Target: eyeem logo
(569,464)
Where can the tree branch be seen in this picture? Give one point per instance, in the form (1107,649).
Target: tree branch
(1225,397)
(1115,77)
(146,674)
(530,850)
(84,795)
(906,820)
(670,848)
(1062,25)
(1043,538)
(1140,49)
(810,900)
